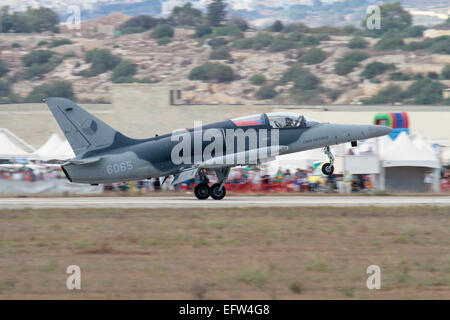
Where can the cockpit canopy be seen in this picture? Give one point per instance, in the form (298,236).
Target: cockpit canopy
(280,120)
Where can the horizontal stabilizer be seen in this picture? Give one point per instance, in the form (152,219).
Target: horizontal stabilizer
(84,161)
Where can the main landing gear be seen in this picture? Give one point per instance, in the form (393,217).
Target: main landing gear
(217,191)
(328,168)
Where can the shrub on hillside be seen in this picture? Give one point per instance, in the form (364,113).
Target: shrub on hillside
(57,89)
(349,62)
(3,68)
(123,72)
(217,42)
(202,31)
(162,31)
(313,56)
(281,44)
(40,62)
(101,60)
(446,72)
(358,43)
(376,68)
(229,30)
(303,78)
(390,94)
(266,92)
(59,42)
(221,53)
(138,24)
(257,79)
(425,91)
(212,72)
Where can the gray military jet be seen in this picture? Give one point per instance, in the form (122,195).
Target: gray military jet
(104,155)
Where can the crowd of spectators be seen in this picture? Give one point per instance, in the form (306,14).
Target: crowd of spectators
(240,180)
(31,174)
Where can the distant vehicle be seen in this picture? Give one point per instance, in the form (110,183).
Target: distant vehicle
(104,155)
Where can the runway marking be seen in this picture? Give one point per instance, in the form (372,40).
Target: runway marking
(230,202)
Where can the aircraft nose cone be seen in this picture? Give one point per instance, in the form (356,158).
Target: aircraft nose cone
(378,131)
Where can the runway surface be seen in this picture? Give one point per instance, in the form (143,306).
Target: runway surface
(229,202)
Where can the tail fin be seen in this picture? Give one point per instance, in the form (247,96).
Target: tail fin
(84,131)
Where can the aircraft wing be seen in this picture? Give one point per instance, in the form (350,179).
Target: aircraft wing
(243,158)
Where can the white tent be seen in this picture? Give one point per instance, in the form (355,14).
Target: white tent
(47,150)
(9,149)
(403,152)
(407,164)
(65,151)
(55,149)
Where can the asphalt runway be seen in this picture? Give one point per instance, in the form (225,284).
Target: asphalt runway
(229,202)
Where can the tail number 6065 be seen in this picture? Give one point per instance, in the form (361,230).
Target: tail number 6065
(119,167)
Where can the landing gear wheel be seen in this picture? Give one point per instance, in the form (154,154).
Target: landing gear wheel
(201,191)
(327,169)
(216,192)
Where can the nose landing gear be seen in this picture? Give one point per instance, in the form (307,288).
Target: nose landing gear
(328,168)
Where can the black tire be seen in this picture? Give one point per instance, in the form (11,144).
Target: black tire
(327,169)
(202,191)
(217,193)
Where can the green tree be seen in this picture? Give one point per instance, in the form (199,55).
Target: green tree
(101,60)
(393,17)
(3,68)
(216,12)
(42,19)
(348,62)
(212,72)
(303,78)
(390,41)
(202,31)
(357,43)
(162,31)
(186,15)
(277,26)
(425,91)
(258,79)
(376,68)
(446,72)
(239,22)
(390,94)
(5,88)
(221,53)
(217,42)
(281,44)
(313,56)
(266,92)
(124,72)
(57,89)
(40,62)
(310,41)
(138,24)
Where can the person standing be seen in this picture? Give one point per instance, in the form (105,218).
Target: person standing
(428,180)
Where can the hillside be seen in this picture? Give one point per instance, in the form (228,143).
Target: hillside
(292,66)
(259,12)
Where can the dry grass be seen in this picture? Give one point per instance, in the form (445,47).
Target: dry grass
(268,253)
